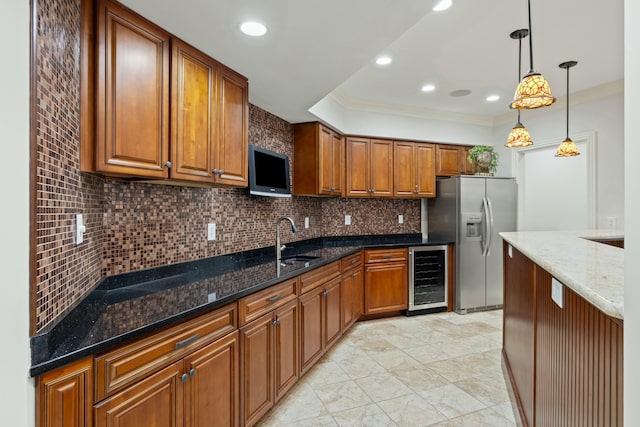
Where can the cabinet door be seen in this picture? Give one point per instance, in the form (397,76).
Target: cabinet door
(193,105)
(425,170)
(466,166)
(337,161)
(155,401)
(132,97)
(256,369)
(65,396)
(332,312)
(403,169)
(352,297)
(325,161)
(230,162)
(311,328)
(287,360)
(448,160)
(381,169)
(213,388)
(357,167)
(386,287)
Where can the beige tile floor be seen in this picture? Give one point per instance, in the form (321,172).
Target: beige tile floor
(439,370)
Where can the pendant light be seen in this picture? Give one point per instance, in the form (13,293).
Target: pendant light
(519,135)
(533,91)
(568,147)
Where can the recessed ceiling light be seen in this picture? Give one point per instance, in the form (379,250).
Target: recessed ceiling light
(442,5)
(493,98)
(383,60)
(460,92)
(428,88)
(253,29)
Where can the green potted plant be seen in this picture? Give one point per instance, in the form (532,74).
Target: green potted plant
(483,160)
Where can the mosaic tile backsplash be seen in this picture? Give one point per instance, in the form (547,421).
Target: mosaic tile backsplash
(134,226)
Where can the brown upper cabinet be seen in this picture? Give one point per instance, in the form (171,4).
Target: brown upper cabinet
(369,167)
(452,160)
(132,94)
(200,134)
(318,160)
(414,169)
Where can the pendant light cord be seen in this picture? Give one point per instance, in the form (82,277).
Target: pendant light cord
(531,70)
(520,63)
(568,102)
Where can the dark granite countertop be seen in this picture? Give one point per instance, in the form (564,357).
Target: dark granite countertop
(127,306)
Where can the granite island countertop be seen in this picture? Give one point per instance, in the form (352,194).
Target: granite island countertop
(593,270)
(127,306)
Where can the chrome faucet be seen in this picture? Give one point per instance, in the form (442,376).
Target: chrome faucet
(279,247)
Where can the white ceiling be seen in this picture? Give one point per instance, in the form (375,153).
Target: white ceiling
(315,49)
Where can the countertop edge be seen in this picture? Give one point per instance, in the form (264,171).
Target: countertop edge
(602,284)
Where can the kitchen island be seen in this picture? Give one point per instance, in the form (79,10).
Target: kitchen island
(563,326)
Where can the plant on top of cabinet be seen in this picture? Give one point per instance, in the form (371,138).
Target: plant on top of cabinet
(483,159)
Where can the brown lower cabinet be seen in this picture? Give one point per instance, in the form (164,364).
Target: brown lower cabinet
(320,321)
(207,368)
(269,362)
(386,281)
(189,392)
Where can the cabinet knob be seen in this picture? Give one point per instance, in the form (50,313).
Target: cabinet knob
(218,171)
(192,372)
(168,165)
(325,293)
(184,378)
(333,188)
(354,275)
(276,322)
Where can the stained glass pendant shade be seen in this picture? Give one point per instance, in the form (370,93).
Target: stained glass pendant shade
(534,90)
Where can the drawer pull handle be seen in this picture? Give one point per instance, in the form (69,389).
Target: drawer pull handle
(353,261)
(184,378)
(274,298)
(387,256)
(186,342)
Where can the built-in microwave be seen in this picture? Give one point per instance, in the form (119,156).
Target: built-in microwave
(428,278)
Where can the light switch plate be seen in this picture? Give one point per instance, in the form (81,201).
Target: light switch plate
(347,220)
(211,231)
(80,229)
(400,219)
(557,292)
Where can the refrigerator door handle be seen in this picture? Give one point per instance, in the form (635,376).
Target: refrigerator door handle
(490,222)
(484,243)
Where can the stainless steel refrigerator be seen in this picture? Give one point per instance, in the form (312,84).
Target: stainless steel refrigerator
(471,211)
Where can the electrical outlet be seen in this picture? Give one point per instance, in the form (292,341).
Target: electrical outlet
(557,292)
(347,220)
(80,229)
(211,231)
(612,222)
(306,222)
(400,219)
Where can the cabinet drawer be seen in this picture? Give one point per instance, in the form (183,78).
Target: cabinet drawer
(385,255)
(131,363)
(255,305)
(315,278)
(351,261)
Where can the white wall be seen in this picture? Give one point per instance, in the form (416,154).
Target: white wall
(605,117)
(407,125)
(17,403)
(632,208)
